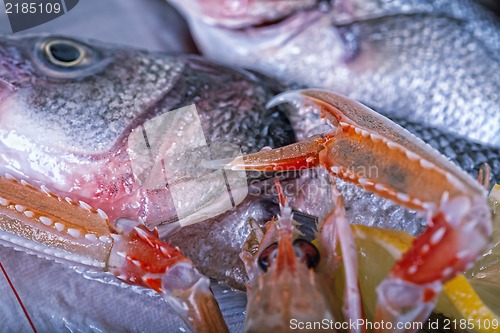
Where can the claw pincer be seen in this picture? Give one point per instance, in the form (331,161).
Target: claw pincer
(42,223)
(372,152)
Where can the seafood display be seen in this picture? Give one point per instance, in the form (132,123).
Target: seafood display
(407,172)
(100,148)
(425,61)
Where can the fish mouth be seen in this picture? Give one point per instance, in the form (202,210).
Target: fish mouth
(253,23)
(247,19)
(284,28)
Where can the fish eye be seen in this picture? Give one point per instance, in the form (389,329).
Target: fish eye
(267,256)
(64,53)
(306,252)
(61,57)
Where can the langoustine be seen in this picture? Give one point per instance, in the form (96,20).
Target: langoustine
(68,191)
(408,172)
(291,281)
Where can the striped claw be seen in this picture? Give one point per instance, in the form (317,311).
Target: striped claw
(372,152)
(42,223)
(139,257)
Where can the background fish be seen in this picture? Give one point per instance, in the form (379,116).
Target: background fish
(426,61)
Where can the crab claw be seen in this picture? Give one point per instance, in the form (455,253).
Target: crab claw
(140,258)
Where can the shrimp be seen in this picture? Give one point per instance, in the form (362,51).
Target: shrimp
(290,287)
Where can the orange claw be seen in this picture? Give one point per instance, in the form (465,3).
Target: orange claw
(140,257)
(40,222)
(371,151)
(297,156)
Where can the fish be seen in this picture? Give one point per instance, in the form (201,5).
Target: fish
(72,114)
(425,61)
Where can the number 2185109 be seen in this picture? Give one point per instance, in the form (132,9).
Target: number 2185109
(471,324)
(32,8)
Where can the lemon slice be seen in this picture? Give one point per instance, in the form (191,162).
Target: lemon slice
(378,251)
(485,275)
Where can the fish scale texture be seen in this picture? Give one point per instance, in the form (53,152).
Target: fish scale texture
(427,61)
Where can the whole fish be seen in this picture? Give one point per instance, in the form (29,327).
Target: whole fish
(73,116)
(425,61)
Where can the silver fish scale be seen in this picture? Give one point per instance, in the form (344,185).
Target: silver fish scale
(429,61)
(476,20)
(470,89)
(470,156)
(90,114)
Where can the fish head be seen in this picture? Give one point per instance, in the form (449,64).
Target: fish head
(101,123)
(82,96)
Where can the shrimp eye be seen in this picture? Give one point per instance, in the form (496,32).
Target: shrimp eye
(267,256)
(306,252)
(64,53)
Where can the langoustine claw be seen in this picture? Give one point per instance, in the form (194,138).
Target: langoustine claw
(39,222)
(370,151)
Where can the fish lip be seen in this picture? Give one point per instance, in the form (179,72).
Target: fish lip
(292,24)
(258,23)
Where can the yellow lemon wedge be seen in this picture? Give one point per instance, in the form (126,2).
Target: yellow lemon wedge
(380,248)
(484,277)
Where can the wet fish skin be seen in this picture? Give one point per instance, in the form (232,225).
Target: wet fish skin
(427,61)
(76,121)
